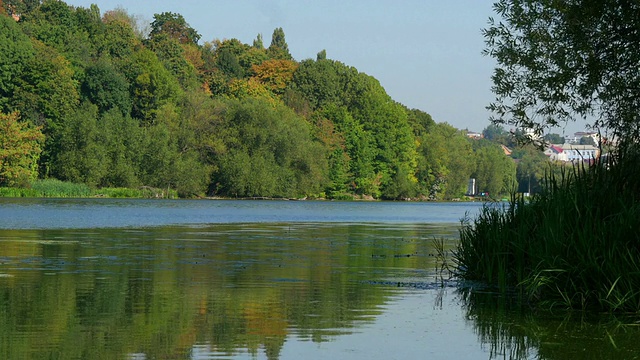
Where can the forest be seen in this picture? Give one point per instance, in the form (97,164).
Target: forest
(98,98)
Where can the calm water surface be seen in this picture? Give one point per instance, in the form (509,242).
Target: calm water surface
(136,279)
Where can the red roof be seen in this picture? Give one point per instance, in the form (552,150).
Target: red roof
(556,148)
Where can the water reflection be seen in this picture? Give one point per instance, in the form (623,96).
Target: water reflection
(511,330)
(199,292)
(290,290)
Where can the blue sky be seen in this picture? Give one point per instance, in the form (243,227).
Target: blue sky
(425,53)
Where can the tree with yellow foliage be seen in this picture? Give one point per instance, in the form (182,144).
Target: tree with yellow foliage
(20,148)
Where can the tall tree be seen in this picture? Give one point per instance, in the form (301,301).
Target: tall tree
(258,43)
(279,48)
(562,60)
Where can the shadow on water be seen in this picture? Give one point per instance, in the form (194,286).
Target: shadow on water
(512,330)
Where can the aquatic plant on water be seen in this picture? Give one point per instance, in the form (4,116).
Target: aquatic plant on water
(576,244)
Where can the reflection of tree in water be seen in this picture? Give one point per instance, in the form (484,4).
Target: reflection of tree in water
(107,293)
(512,330)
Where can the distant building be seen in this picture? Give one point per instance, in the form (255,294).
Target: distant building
(575,138)
(572,153)
(556,153)
(474,135)
(594,135)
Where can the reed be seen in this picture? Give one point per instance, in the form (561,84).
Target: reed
(17,192)
(576,244)
(54,188)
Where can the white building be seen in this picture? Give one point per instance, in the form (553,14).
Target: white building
(575,138)
(572,153)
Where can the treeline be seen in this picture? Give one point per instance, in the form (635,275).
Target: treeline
(123,107)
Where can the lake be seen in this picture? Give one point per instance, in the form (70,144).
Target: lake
(222,279)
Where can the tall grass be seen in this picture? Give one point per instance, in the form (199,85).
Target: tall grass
(52,188)
(576,244)
(57,188)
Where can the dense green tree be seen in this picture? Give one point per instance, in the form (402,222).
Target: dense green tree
(175,26)
(237,119)
(495,172)
(360,148)
(420,121)
(119,40)
(17,51)
(319,82)
(20,148)
(172,55)
(236,59)
(384,132)
(449,160)
(165,165)
(106,87)
(82,155)
(89,20)
(152,85)
(228,64)
(177,150)
(387,122)
(267,152)
(334,143)
(121,136)
(47,90)
(59,26)
(562,60)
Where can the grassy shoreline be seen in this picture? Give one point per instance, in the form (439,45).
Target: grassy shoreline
(575,245)
(52,188)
